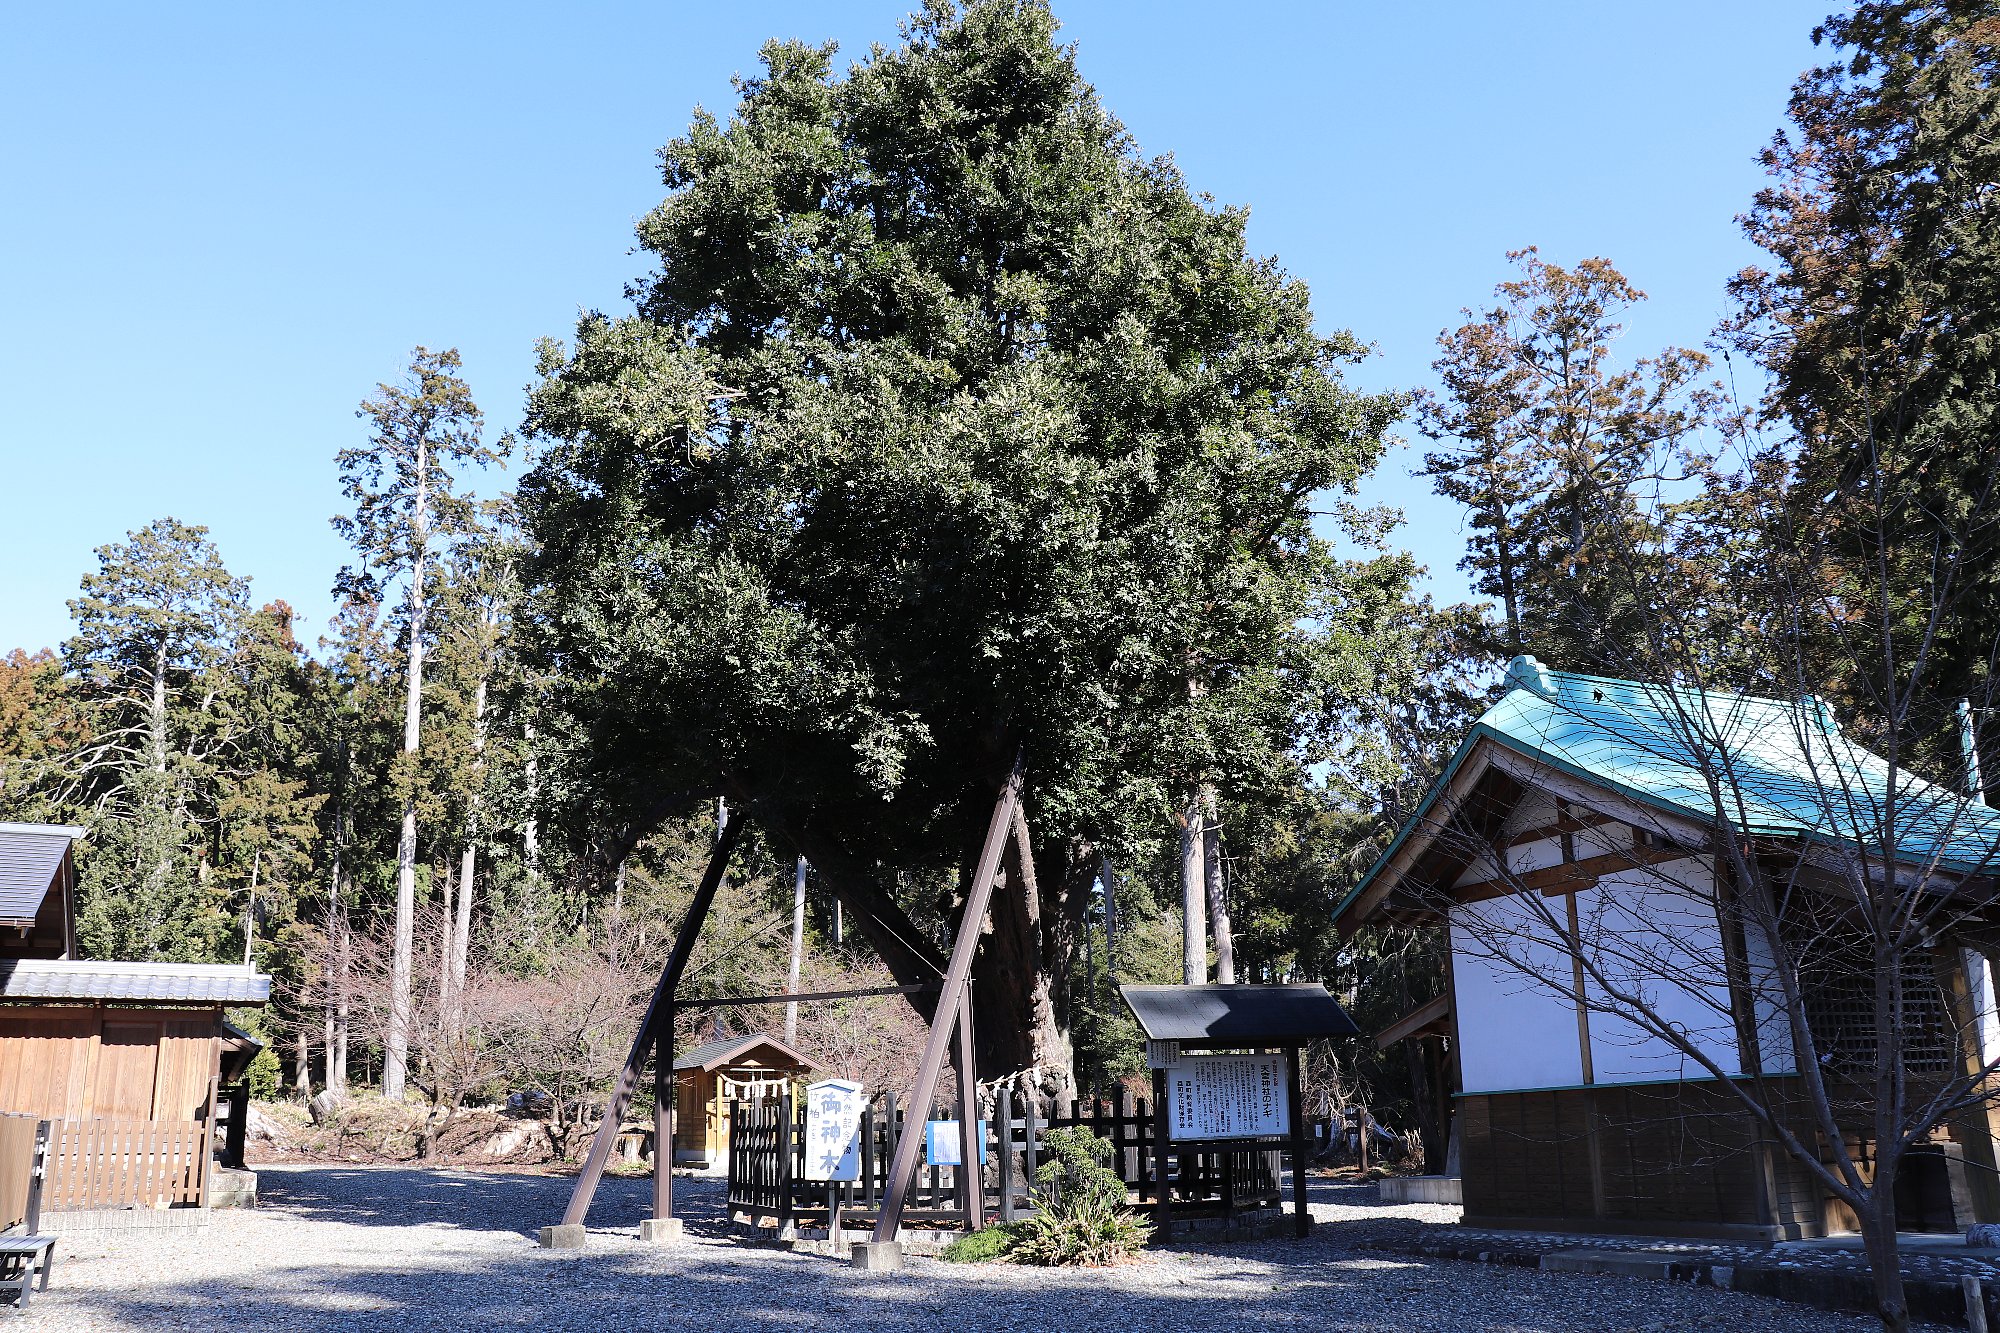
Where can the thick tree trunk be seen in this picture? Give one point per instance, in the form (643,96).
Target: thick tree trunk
(1194,893)
(1017,1016)
(1218,904)
(302,1077)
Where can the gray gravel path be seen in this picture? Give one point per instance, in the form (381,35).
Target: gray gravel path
(382,1248)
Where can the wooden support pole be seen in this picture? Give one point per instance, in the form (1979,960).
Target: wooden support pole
(658,1012)
(904,1169)
(663,1115)
(1295,1106)
(973,1196)
(1163,1210)
(1003,1133)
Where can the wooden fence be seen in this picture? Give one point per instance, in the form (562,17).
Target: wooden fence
(767,1184)
(767,1155)
(99,1164)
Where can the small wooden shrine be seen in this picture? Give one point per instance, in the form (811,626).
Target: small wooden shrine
(749,1068)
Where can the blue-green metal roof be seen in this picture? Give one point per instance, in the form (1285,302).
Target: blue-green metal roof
(1782,767)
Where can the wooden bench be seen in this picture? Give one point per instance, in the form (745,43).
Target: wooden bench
(24,1260)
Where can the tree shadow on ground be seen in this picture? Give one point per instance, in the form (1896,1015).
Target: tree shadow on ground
(484,1272)
(522,1203)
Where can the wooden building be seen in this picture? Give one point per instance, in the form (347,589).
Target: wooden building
(1567,852)
(127,1060)
(707,1079)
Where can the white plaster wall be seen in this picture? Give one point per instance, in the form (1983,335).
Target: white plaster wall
(1514,1030)
(1652,935)
(1767,1002)
(1979,984)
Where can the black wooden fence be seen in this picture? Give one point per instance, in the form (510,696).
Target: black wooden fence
(767,1185)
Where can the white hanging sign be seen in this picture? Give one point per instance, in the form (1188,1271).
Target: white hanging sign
(1228,1097)
(833,1130)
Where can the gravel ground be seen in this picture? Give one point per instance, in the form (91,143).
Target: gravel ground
(393,1248)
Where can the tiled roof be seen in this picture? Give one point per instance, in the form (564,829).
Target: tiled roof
(729,1049)
(1785,768)
(145,983)
(30,856)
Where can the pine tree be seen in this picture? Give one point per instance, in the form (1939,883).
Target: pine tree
(406,511)
(153,625)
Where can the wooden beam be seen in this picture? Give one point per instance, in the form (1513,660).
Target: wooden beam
(1415,1023)
(723,1001)
(903,1170)
(658,1011)
(1560,879)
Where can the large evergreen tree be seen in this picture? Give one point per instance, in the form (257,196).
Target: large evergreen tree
(948,425)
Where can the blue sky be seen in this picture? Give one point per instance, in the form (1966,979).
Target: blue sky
(221,225)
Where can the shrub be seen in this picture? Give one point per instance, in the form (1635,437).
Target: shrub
(1080,1216)
(984,1246)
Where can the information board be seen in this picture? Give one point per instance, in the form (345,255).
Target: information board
(941,1143)
(1228,1097)
(833,1130)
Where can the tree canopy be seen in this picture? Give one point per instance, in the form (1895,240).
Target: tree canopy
(947,425)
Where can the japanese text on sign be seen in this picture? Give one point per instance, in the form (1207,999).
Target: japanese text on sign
(833,1130)
(1227,1097)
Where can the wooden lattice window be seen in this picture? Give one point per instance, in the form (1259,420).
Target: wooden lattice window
(1839,991)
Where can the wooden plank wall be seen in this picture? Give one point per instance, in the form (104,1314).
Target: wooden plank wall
(1671,1155)
(85,1061)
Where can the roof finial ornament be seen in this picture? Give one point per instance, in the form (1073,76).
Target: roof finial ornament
(1525,673)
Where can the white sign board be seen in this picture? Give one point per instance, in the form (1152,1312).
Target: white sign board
(1228,1097)
(833,1130)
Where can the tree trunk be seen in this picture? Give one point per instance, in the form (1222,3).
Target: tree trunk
(447,945)
(396,1050)
(798,949)
(1109,878)
(302,1080)
(1878,1236)
(1016,992)
(250,906)
(468,862)
(531,831)
(1194,891)
(337,1016)
(1218,904)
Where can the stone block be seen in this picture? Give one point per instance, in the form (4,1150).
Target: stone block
(231,1187)
(660,1230)
(561,1237)
(872,1256)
